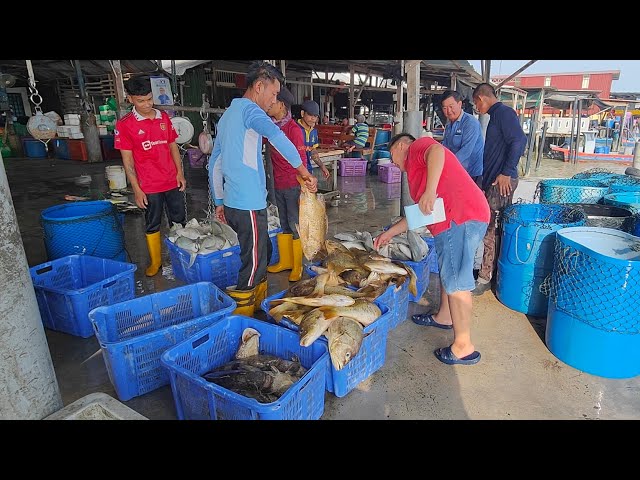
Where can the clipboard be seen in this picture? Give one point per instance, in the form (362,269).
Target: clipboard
(415,218)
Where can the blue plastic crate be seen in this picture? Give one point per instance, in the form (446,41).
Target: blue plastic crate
(220,267)
(433,266)
(275,253)
(370,357)
(133,334)
(197,399)
(396,299)
(68,288)
(61,148)
(34,148)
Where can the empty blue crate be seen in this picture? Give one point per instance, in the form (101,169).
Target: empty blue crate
(68,288)
(133,334)
(275,253)
(370,357)
(220,267)
(197,399)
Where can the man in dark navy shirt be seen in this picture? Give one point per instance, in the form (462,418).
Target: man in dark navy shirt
(504,144)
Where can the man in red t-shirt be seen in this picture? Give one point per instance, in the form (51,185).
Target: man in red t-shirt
(287,188)
(147,141)
(434,171)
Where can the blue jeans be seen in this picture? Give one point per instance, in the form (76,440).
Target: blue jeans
(456,248)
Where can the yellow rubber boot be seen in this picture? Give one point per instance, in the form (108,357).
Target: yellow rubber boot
(261,293)
(296,271)
(245,300)
(284,249)
(155,250)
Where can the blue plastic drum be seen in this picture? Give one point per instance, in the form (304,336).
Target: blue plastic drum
(526,253)
(593,322)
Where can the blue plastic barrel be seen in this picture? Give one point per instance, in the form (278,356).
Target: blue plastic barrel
(526,253)
(91,228)
(383,136)
(571,190)
(628,200)
(593,323)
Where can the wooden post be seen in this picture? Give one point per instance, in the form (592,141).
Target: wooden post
(119,88)
(88,121)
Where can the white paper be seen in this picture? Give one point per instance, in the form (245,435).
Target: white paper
(415,217)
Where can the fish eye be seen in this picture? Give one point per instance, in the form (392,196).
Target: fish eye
(348,355)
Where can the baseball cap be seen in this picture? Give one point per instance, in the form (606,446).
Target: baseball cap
(311,107)
(286,96)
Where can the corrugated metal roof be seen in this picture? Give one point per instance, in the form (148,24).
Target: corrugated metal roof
(50,70)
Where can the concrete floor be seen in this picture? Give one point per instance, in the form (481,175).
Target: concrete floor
(518,378)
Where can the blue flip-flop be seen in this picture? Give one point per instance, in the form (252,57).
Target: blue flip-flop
(427,320)
(445,355)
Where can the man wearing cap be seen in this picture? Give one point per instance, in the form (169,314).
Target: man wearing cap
(238,180)
(309,114)
(287,189)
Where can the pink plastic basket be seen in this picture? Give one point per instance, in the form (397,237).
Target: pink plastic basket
(196,157)
(352,167)
(389,173)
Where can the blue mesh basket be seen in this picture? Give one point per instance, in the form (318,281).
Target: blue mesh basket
(133,334)
(197,399)
(83,228)
(571,190)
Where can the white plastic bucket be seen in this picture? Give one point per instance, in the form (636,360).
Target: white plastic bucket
(116,177)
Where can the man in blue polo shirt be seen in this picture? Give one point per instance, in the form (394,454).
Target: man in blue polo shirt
(504,144)
(463,135)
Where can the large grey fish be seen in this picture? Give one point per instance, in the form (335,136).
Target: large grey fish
(419,248)
(344,337)
(363,311)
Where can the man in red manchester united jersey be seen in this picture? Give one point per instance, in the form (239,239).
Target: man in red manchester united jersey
(147,141)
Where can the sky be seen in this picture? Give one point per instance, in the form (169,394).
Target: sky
(629,69)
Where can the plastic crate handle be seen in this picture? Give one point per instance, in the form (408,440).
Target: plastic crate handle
(46,269)
(199,341)
(107,285)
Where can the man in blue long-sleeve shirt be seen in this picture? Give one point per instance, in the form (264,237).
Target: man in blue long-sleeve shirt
(236,173)
(504,144)
(463,135)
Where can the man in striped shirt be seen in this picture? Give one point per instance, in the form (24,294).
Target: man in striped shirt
(360,132)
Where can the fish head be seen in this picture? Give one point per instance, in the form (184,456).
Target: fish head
(249,345)
(342,353)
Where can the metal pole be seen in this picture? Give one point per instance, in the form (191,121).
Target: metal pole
(573,124)
(351,94)
(174,83)
(88,121)
(180,108)
(531,142)
(399,101)
(579,117)
(517,72)
(541,147)
(28,386)
(622,120)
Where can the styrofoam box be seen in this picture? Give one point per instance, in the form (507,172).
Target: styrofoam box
(96,406)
